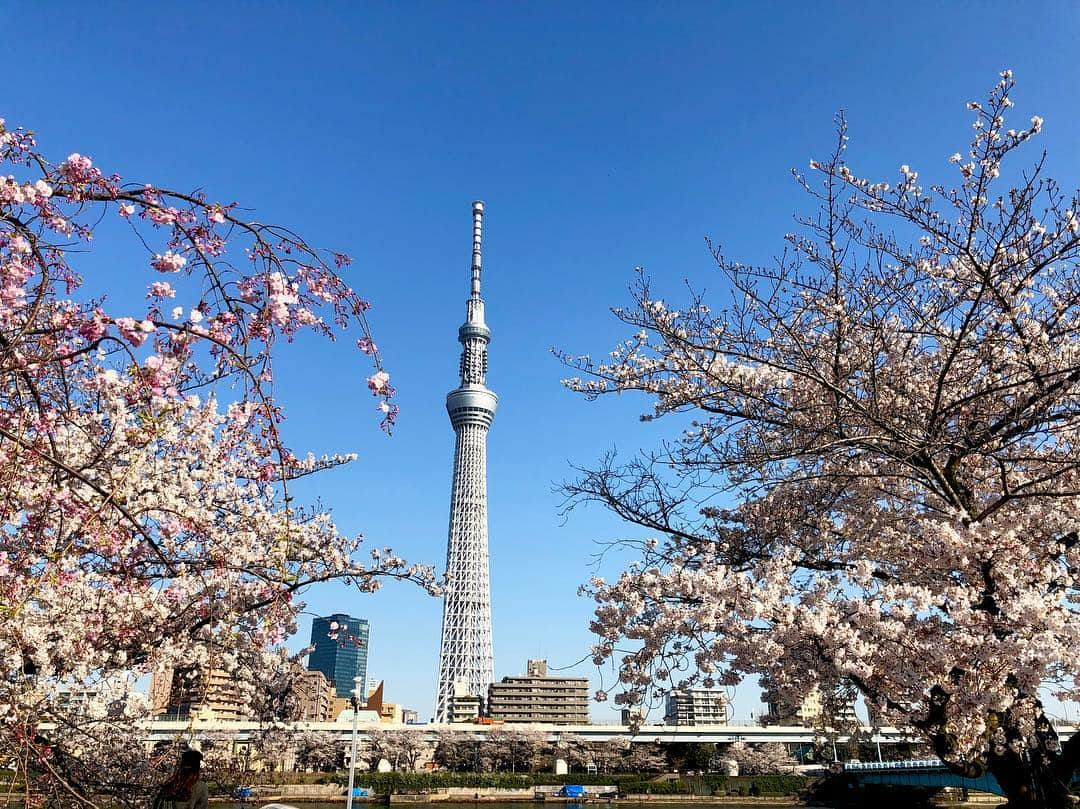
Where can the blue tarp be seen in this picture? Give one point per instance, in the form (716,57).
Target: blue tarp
(361,792)
(572,791)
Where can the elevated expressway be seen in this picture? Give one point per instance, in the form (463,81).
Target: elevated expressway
(661,734)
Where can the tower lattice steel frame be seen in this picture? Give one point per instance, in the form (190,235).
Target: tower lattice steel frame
(465,654)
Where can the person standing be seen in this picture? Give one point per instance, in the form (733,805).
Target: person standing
(184,789)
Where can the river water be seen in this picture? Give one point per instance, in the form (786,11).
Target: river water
(899,800)
(765,803)
(590,805)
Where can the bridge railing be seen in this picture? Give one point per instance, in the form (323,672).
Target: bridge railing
(913,764)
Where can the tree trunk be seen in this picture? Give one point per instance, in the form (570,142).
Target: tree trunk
(1029,787)
(1034,772)
(1030,764)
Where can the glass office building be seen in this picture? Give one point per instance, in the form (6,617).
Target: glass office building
(340,651)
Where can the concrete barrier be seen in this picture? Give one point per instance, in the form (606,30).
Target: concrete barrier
(490,793)
(312,792)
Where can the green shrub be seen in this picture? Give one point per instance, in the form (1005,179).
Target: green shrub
(779,784)
(654,788)
(382,783)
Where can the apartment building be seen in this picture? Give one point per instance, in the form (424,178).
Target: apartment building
(539,697)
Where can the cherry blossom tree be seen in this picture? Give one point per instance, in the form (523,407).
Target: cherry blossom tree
(97,755)
(148,517)
(645,757)
(574,749)
(402,749)
(524,750)
(876,474)
(226,763)
(456,751)
(608,755)
(412,746)
(761,759)
(318,750)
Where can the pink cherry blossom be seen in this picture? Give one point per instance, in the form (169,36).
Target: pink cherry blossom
(168,262)
(378,382)
(161,289)
(134,331)
(149,523)
(873,481)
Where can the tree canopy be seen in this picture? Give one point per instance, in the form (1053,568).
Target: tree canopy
(146,506)
(876,475)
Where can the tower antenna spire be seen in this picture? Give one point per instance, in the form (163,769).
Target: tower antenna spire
(477,228)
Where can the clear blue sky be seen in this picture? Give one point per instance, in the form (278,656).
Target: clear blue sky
(602,136)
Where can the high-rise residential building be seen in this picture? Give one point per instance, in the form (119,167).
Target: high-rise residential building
(314,697)
(191,693)
(466,660)
(696,706)
(879,717)
(811,712)
(160,691)
(782,712)
(464,705)
(340,650)
(538,697)
(80,699)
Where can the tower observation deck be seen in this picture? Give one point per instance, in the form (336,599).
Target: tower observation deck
(466,661)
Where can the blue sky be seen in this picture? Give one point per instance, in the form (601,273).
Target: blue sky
(602,137)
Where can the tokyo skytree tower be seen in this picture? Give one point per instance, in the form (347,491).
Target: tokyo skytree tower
(465,654)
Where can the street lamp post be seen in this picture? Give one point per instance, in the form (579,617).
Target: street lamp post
(357,684)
